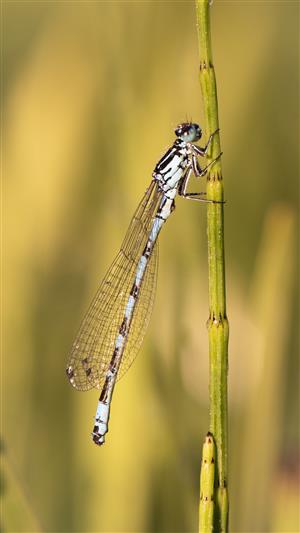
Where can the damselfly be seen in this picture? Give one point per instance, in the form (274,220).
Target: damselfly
(114,326)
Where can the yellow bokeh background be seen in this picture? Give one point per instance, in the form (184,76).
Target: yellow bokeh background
(91,94)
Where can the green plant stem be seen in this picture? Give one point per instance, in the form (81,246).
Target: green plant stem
(218,329)
(207,477)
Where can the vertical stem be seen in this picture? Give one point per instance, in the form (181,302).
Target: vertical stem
(207,477)
(217,322)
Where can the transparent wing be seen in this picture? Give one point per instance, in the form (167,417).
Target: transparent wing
(94,345)
(141,316)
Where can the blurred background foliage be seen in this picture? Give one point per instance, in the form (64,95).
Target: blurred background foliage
(91,94)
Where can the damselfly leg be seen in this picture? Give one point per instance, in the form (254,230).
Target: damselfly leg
(198,172)
(203,151)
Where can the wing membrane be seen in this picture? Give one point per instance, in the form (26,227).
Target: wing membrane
(93,347)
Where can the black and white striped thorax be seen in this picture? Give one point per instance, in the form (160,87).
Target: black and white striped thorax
(173,165)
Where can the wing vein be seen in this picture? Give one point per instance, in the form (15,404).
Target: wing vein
(93,347)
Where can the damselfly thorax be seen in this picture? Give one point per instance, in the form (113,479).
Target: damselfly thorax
(115,324)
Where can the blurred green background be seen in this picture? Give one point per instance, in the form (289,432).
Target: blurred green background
(92,92)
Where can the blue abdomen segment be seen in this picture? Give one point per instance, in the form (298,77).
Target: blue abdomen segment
(103,408)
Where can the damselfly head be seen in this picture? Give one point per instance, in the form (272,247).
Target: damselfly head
(188,132)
